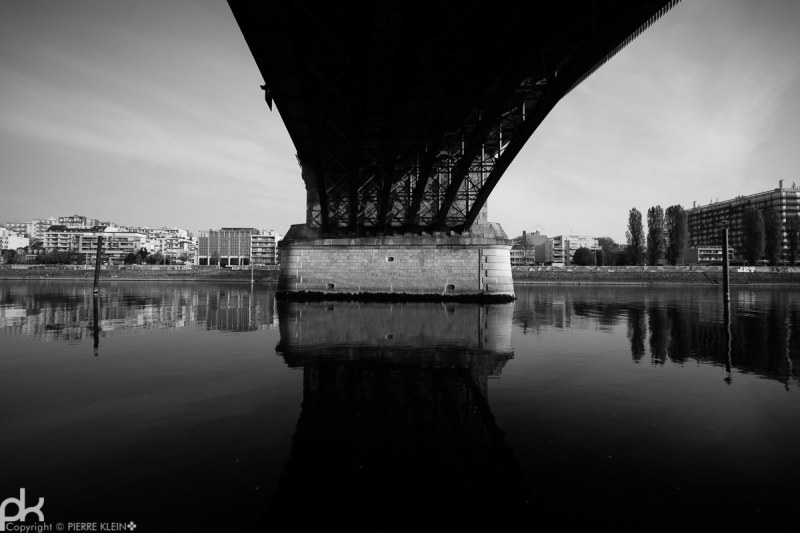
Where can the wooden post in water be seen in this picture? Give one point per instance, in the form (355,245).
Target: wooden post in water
(96,325)
(726,282)
(97,263)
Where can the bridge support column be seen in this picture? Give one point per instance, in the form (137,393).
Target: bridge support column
(414,267)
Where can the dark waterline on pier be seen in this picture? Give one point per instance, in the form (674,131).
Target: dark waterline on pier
(178,405)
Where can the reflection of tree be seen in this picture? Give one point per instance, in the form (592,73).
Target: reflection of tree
(637,331)
(681,324)
(680,346)
(658,334)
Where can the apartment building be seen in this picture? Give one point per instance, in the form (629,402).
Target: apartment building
(19,228)
(532,248)
(175,244)
(264,248)
(564,246)
(225,247)
(117,243)
(11,240)
(706,222)
(706,255)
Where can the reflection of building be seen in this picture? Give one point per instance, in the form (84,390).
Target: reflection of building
(396,432)
(705,222)
(34,309)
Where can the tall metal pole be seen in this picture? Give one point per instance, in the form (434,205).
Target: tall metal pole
(97,263)
(726,284)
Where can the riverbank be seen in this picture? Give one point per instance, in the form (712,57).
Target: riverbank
(139,273)
(647,275)
(683,275)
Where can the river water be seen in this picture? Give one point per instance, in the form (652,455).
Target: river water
(180,406)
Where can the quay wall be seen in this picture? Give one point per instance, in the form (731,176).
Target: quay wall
(521,275)
(138,273)
(681,275)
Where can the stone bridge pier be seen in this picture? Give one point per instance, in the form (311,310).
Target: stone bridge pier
(470,266)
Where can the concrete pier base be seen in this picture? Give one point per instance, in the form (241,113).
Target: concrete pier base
(402,267)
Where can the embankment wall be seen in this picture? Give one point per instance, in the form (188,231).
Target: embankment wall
(682,275)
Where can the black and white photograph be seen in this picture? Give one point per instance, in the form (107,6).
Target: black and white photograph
(391,266)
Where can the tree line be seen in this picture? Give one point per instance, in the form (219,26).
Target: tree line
(141,256)
(667,235)
(667,238)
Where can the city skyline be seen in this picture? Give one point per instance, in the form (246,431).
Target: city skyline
(151,113)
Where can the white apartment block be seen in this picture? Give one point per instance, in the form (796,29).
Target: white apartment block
(117,243)
(174,243)
(11,240)
(37,228)
(264,248)
(564,246)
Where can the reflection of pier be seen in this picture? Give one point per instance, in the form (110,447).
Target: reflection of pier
(396,432)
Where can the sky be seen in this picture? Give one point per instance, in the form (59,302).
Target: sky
(150,113)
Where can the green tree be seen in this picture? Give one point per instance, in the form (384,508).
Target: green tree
(753,232)
(625,257)
(130,259)
(676,224)
(773,236)
(608,251)
(793,237)
(141,255)
(635,236)
(583,257)
(155,259)
(655,235)
(9,257)
(59,258)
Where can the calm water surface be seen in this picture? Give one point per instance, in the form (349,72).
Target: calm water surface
(178,406)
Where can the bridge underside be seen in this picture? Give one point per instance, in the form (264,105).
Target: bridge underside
(405,114)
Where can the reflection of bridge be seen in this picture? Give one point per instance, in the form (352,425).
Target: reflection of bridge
(406,115)
(396,432)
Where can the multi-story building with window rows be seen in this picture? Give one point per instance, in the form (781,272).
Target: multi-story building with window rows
(565,246)
(706,221)
(117,243)
(226,247)
(264,248)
